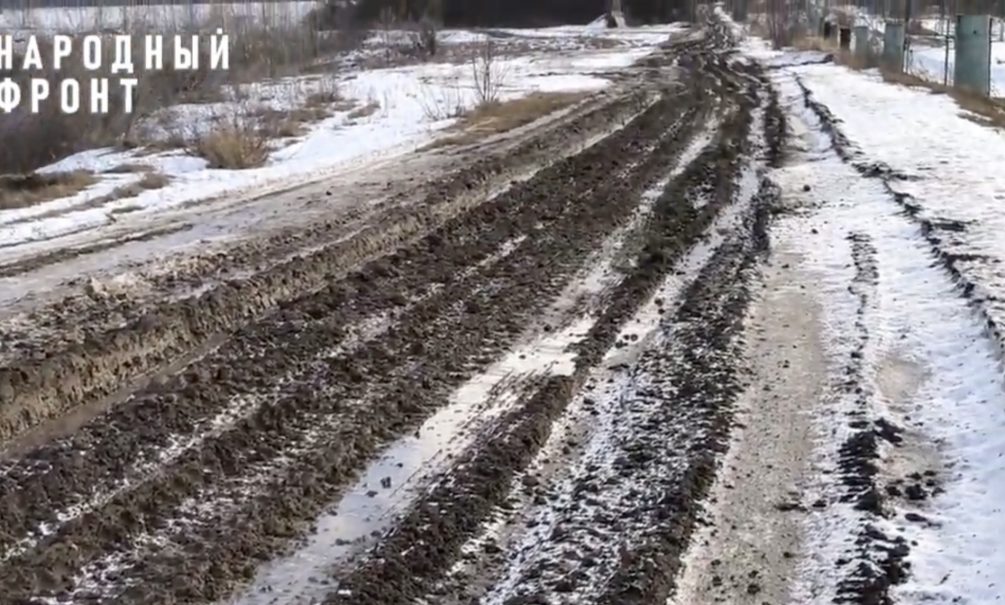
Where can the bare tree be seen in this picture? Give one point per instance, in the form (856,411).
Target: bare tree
(779,22)
(487,74)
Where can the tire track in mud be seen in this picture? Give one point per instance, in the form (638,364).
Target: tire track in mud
(99,358)
(878,561)
(700,380)
(343,305)
(933,229)
(880,557)
(410,560)
(518,282)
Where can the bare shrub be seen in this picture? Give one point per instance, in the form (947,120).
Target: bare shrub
(386,23)
(442,104)
(326,93)
(488,74)
(238,145)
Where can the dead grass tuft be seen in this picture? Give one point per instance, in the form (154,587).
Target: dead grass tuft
(983,110)
(364,111)
(815,43)
(236,146)
(150,181)
(154,180)
(327,94)
(20,191)
(502,116)
(291,122)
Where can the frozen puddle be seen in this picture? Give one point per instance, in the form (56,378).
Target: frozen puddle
(393,480)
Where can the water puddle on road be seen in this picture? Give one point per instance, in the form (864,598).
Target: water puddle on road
(403,470)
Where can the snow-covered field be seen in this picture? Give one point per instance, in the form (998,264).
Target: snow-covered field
(411,105)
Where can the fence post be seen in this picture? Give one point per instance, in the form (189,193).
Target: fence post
(893,46)
(739,10)
(973,54)
(862,42)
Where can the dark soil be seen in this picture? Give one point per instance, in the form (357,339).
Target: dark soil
(294,396)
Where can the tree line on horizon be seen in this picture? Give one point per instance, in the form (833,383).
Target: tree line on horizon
(516,13)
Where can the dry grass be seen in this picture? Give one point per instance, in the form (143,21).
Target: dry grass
(815,43)
(855,61)
(366,110)
(151,180)
(327,93)
(983,110)
(236,146)
(20,191)
(290,123)
(494,118)
(503,116)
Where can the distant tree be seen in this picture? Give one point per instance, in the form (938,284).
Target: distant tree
(434,11)
(523,12)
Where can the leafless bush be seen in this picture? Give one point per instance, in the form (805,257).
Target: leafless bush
(442,104)
(488,74)
(327,92)
(237,145)
(386,23)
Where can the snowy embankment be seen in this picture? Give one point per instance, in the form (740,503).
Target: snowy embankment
(923,186)
(405,108)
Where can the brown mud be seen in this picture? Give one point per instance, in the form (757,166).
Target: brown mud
(243,414)
(319,349)
(698,379)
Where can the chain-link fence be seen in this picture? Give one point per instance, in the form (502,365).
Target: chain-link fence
(930,38)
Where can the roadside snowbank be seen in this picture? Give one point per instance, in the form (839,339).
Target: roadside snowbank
(926,339)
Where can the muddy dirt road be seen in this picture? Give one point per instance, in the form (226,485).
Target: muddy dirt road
(515,383)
